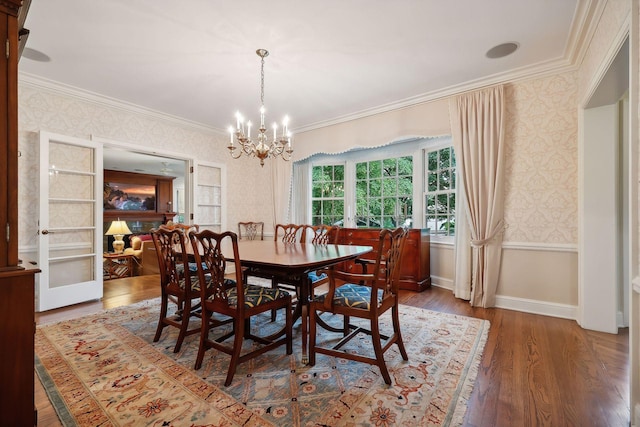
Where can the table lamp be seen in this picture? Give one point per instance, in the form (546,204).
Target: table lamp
(118,229)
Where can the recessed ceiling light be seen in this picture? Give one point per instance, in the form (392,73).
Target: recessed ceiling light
(35,55)
(502,50)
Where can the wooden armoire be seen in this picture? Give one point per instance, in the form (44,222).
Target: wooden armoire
(17,328)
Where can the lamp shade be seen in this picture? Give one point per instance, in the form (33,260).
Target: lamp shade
(118,228)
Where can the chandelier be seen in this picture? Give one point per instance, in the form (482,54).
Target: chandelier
(263,147)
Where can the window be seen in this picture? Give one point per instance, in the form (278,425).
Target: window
(327,197)
(384,192)
(440,195)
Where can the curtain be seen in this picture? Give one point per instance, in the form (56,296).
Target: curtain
(281,190)
(301,195)
(462,249)
(478,132)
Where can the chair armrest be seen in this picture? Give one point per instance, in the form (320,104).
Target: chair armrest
(364,263)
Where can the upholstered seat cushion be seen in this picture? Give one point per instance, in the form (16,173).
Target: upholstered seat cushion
(195,283)
(351,295)
(255,295)
(314,276)
(193,268)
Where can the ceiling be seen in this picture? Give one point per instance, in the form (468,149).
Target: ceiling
(330,60)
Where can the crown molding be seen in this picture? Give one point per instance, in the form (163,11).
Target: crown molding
(57,88)
(524,73)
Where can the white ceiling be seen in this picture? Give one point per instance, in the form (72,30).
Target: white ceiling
(329,60)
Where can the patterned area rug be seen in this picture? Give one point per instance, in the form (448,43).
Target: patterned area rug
(104,370)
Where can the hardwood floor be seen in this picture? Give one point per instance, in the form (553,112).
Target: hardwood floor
(535,370)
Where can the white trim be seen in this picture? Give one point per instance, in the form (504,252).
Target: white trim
(441,282)
(523,246)
(57,88)
(533,246)
(540,70)
(609,57)
(544,308)
(635,284)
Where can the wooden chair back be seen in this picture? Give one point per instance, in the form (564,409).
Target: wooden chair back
(290,233)
(322,234)
(207,250)
(250,230)
(172,258)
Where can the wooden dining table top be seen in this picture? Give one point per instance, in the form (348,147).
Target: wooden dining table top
(293,256)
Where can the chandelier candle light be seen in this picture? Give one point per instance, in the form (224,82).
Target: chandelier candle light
(263,148)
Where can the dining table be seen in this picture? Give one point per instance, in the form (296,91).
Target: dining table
(295,260)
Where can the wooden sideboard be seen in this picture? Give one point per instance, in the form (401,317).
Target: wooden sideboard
(16,281)
(415,273)
(17,335)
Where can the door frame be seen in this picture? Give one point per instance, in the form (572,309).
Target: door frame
(188,165)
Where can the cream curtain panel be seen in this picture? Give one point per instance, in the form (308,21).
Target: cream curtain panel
(281,190)
(478,133)
(301,196)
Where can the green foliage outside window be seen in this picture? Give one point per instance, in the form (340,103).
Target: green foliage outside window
(384,192)
(440,197)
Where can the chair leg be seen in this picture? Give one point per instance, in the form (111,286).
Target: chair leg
(345,326)
(396,331)
(377,348)
(235,355)
(184,324)
(163,315)
(204,337)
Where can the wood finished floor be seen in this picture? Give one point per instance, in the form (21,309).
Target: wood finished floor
(535,370)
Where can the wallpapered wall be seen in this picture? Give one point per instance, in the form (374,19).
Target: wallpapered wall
(541,159)
(50,110)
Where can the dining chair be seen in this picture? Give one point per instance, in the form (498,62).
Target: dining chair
(183,290)
(364,296)
(250,230)
(240,302)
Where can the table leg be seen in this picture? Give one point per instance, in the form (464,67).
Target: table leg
(305,288)
(305,333)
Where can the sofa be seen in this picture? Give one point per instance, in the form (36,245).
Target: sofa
(144,253)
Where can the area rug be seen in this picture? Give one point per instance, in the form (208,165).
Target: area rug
(104,369)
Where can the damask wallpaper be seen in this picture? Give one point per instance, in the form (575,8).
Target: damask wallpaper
(50,110)
(541,158)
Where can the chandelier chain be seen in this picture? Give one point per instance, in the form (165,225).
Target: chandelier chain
(262,83)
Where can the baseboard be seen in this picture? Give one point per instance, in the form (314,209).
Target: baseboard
(544,308)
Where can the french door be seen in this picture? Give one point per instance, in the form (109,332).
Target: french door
(70,221)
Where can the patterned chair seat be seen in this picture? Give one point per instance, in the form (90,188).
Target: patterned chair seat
(315,277)
(195,283)
(255,295)
(193,268)
(351,295)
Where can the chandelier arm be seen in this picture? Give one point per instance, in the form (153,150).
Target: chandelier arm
(234,156)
